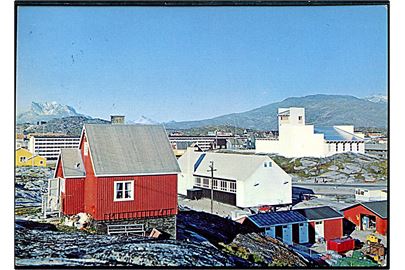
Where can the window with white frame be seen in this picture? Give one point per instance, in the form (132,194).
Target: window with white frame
(23,159)
(344,146)
(198,181)
(337,147)
(232,186)
(270,164)
(123,190)
(224,185)
(351,147)
(358,147)
(215,184)
(206,182)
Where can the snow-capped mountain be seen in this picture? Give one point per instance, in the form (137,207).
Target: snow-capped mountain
(377,98)
(46,111)
(144,121)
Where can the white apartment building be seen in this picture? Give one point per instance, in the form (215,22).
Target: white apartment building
(49,146)
(296,139)
(239,179)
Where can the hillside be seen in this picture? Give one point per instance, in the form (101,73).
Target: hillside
(67,125)
(46,111)
(321,110)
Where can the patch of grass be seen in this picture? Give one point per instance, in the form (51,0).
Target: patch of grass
(24,211)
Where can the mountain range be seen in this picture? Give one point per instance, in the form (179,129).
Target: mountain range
(321,110)
(46,111)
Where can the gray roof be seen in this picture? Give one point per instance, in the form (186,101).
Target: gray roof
(130,149)
(380,208)
(230,165)
(319,213)
(336,134)
(72,163)
(263,220)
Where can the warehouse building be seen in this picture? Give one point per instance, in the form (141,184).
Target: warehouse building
(239,179)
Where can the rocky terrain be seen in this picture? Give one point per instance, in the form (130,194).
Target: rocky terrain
(46,246)
(339,168)
(30,183)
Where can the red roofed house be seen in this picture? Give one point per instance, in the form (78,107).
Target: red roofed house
(370,216)
(119,172)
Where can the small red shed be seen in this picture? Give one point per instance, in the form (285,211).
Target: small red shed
(120,172)
(324,222)
(370,216)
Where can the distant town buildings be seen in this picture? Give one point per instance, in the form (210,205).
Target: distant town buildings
(49,145)
(239,179)
(296,139)
(24,158)
(369,194)
(377,149)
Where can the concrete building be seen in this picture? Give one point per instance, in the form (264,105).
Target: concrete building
(205,143)
(370,194)
(49,146)
(241,180)
(377,149)
(296,139)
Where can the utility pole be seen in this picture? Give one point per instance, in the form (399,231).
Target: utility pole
(212,170)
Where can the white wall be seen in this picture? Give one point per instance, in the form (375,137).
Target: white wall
(270,190)
(186,162)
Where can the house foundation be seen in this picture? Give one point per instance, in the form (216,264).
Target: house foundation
(166,225)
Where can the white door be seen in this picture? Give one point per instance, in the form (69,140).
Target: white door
(270,232)
(303,233)
(319,231)
(287,234)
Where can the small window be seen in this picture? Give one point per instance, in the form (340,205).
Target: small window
(123,190)
(206,182)
(41,162)
(300,118)
(23,159)
(358,147)
(337,147)
(198,181)
(270,164)
(318,222)
(351,147)
(215,184)
(285,226)
(265,164)
(232,186)
(344,146)
(224,185)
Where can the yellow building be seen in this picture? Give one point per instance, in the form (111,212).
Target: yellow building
(23,157)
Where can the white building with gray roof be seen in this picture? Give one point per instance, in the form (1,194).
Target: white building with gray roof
(239,179)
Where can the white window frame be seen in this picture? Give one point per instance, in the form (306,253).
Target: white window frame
(123,190)
(231,189)
(198,182)
(206,183)
(223,187)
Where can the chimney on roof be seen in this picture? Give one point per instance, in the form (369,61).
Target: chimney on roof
(117,119)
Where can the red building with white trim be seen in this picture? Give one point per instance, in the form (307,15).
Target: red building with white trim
(324,222)
(371,216)
(120,172)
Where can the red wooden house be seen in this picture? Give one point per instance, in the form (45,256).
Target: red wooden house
(121,172)
(370,216)
(324,222)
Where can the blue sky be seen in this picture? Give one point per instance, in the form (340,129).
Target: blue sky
(189,63)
